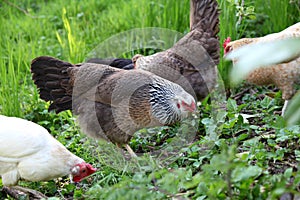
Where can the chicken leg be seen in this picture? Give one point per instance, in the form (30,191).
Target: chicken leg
(129,149)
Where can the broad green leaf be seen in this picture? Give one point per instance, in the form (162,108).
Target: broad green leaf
(288,172)
(244,173)
(231,105)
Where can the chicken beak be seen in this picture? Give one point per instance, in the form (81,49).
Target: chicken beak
(190,107)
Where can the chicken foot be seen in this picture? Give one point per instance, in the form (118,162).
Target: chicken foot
(17,192)
(129,149)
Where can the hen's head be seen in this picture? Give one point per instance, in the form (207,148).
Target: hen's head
(185,104)
(170,102)
(81,171)
(229,45)
(226,46)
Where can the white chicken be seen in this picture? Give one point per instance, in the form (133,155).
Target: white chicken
(29,152)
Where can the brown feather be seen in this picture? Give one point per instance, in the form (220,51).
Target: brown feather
(284,75)
(191,62)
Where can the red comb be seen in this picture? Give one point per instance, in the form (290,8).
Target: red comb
(227,40)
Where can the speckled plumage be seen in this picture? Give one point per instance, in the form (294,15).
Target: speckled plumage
(110,103)
(284,75)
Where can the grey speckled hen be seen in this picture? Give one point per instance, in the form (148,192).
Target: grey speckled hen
(110,103)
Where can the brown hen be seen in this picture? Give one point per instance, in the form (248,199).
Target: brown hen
(111,103)
(284,74)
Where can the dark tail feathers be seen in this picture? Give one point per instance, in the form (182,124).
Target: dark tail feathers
(204,14)
(51,78)
(204,17)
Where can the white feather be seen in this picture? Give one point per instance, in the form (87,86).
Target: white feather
(28,151)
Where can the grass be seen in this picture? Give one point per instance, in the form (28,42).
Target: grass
(230,158)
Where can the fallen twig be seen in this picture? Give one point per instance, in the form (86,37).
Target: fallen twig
(20,9)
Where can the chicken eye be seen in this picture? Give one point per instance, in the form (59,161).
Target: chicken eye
(178,105)
(228,49)
(83,171)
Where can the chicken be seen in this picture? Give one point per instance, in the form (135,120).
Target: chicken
(111,103)
(29,152)
(192,61)
(284,73)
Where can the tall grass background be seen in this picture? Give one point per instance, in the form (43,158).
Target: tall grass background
(71,29)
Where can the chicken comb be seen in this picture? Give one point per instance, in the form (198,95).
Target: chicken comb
(227,40)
